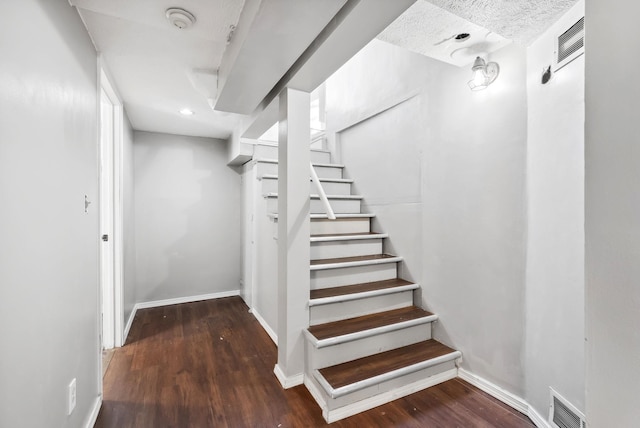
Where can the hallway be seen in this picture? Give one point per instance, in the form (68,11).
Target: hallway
(209,364)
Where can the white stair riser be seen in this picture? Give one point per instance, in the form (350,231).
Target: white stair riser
(354,308)
(322,171)
(352,275)
(390,385)
(341,225)
(271,152)
(328,172)
(270,185)
(337,354)
(350,248)
(339,206)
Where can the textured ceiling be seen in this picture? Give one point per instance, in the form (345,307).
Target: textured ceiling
(430,31)
(519,20)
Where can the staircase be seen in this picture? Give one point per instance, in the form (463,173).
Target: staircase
(368,342)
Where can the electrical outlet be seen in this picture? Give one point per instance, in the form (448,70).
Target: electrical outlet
(71,396)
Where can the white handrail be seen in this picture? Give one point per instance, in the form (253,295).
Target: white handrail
(323,196)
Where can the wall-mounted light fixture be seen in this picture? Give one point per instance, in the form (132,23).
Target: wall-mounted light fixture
(484,74)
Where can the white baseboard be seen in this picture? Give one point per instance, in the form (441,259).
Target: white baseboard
(95,410)
(377,400)
(175,301)
(288,382)
(272,334)
(314,390)
(188,299)
(505,396)
(537,419)
(127,327)
(495,391)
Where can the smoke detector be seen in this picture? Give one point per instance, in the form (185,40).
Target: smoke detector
(180,18)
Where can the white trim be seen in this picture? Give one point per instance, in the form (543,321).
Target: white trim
(336,340)
(324,216)
(117,238)
(362,295)
(384,377)
(272,334)
(127,327)
(328,180)
(555,394)
(348,237)
(366,262)
(315,196)
(538,420)
(95,410)
(325,165)
(506,397)
(494,390)
(380,399)
(315,393)
(188,299)
(288,382)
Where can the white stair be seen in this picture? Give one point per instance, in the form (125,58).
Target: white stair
(331,186)
(270,151)
(341,204)
(324,170)
(367,343)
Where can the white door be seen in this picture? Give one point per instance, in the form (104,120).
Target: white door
(107,268)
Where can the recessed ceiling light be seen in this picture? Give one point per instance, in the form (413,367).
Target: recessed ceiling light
(187,112)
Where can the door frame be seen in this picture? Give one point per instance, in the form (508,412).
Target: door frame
(117,305)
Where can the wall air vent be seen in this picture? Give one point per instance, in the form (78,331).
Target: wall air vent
(563,414)
(570,44)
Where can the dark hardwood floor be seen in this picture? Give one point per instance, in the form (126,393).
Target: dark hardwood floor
(210,364)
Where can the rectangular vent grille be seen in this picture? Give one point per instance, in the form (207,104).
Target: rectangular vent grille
(570,43)
(563,414)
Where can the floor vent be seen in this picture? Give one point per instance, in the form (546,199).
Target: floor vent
(570,44)
(563,414)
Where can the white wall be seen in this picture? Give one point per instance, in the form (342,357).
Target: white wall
(474,217)
(187,211)
(49,250)
(445,170)
(612,214)
(380,132)
(554,346)
(129,285)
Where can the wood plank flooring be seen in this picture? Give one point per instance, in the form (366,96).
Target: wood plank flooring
(210,364)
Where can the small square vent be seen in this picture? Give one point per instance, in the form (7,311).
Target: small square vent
(563,414)
(570,44)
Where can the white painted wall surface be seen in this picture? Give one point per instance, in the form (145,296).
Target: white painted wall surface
(445,172)
(554,344)
(49,251)
(129,284)
(612,214)
(474,217)
(187,211)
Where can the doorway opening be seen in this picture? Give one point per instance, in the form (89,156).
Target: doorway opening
(111,213)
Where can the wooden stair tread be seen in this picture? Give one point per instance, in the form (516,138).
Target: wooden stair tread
(351,259)
(358,288)
(374,365)
(366,322)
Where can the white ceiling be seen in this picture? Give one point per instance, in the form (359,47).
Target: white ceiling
(159,69)
(153,63)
